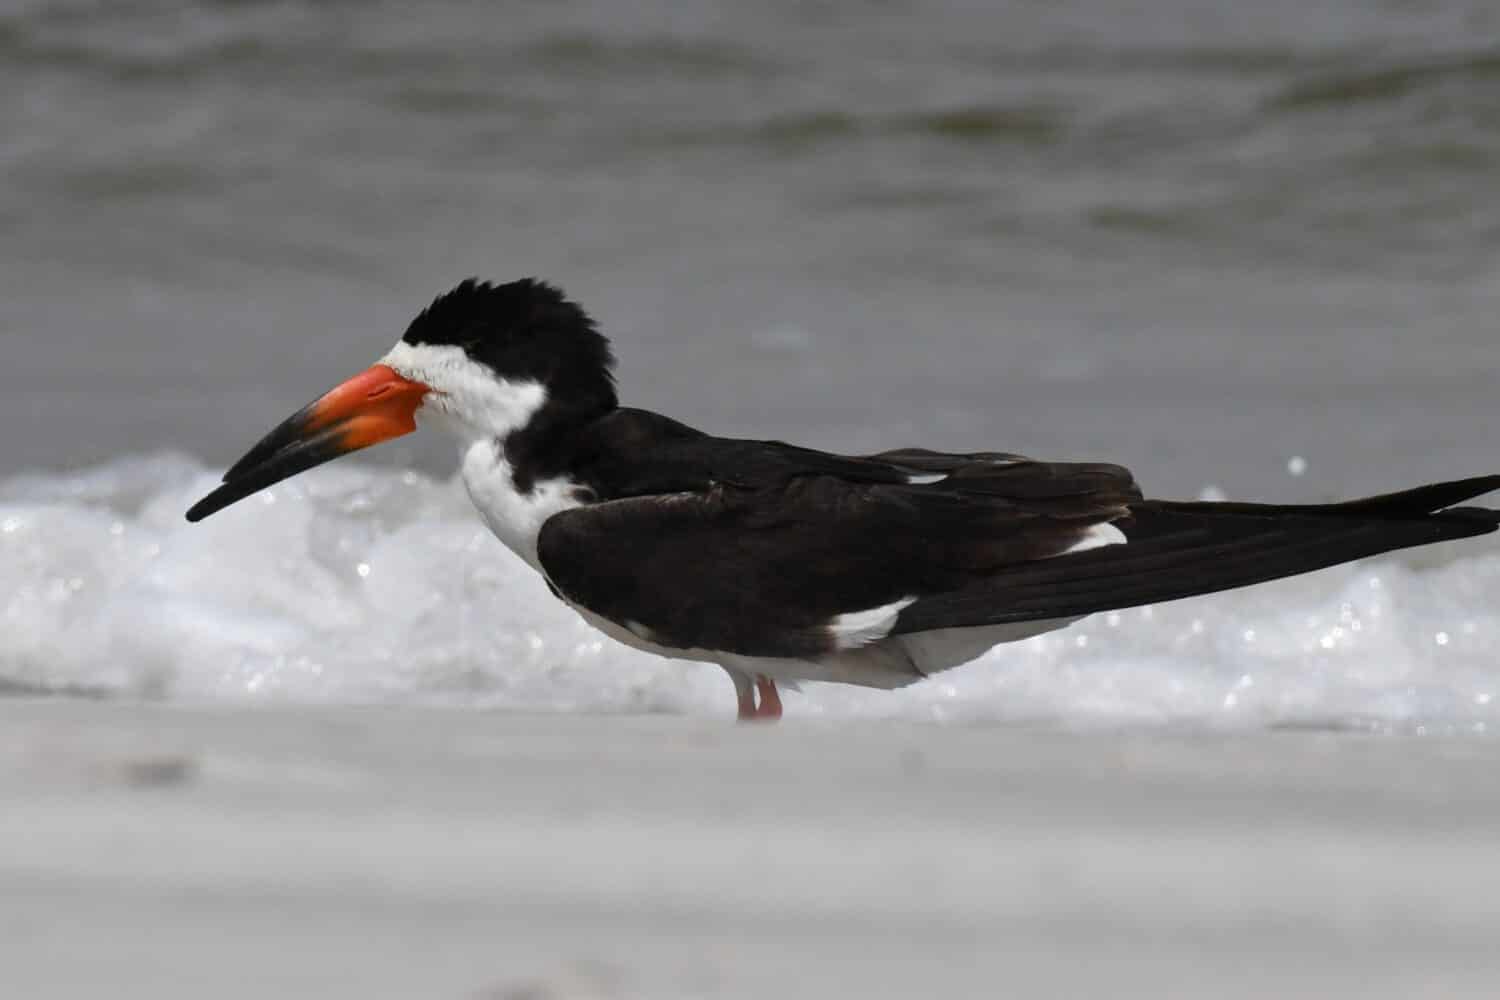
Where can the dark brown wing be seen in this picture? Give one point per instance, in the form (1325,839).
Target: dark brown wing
(757,547)
(1176,550)
(762,562)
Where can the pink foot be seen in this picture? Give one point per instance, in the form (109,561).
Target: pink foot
(770,699)
(769,709)
(746,703)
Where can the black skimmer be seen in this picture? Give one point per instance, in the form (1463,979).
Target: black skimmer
(781,563)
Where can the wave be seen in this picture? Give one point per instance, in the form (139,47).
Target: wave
(359,584)
(1474,72)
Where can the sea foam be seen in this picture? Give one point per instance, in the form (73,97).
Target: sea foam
(357,584)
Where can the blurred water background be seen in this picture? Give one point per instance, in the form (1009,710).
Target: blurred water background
(1219,242)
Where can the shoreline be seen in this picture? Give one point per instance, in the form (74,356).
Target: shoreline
(196,849)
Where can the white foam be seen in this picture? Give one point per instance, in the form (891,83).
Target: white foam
(356,584)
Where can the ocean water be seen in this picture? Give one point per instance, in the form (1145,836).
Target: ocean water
(358,584)
(1202,238)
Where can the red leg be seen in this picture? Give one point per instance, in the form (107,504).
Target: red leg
(770,699)
(745,693)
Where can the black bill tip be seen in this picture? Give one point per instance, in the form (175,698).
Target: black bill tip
(273,466)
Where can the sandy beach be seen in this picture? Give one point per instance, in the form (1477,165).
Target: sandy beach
(191,851)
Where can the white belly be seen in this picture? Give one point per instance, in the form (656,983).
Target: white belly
(892,662)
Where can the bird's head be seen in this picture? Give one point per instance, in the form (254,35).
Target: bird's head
(485,360)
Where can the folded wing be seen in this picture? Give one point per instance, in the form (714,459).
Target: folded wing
(803,565)
(1177,550)
(764,549)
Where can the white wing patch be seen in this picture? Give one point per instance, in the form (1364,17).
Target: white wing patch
(860,628)
(928,478)
(1097,537)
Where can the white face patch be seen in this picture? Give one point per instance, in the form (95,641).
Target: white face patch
(469,396)
(483,408)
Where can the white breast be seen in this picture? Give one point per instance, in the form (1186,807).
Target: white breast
(516,518)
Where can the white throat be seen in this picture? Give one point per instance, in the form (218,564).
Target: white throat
(483,409)
(516,518)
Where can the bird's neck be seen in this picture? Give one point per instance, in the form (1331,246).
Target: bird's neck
(519,480)
(556,439)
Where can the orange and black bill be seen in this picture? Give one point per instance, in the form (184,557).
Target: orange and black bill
(372,407)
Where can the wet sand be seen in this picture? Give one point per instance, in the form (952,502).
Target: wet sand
(190,851)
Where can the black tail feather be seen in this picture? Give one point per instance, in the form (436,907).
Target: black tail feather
(1181,549)
(1414,502)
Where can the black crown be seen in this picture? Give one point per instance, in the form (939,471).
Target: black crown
(523,329)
